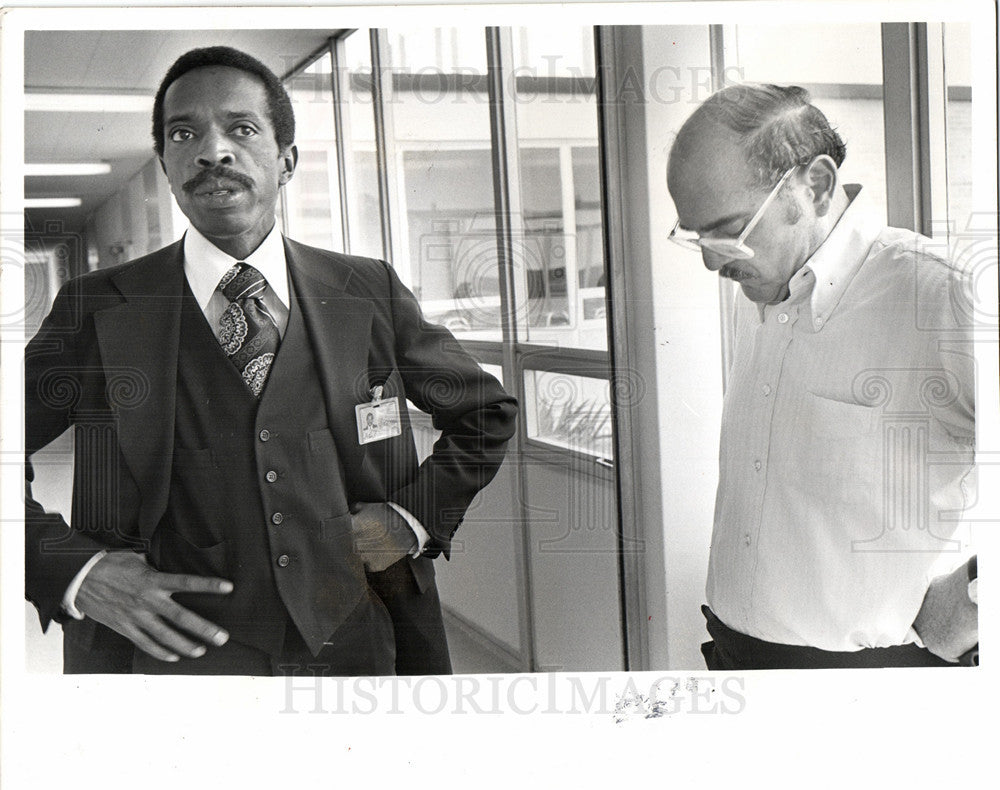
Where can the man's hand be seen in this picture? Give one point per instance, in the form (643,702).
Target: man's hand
(124,593)
(948,621)
(381,535)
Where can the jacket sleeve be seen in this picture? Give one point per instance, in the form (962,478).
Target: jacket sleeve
(475,415)
(61,376)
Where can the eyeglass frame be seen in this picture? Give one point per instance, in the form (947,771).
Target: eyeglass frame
(732,247)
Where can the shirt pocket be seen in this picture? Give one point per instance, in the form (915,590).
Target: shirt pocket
(836,444)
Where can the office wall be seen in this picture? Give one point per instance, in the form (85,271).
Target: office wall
(136,220)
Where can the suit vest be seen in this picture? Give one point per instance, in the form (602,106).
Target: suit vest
(257,493)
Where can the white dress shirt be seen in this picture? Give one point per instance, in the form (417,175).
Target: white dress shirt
(204,266)
(847,443)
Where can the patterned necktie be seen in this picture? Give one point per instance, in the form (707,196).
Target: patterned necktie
(249,336)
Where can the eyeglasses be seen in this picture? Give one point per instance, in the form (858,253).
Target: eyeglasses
(735,249)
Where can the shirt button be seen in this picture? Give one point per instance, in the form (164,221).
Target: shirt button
(819,322)
(756,465)
(283,561)
(782,318)
(265,435)
(271,476)
(277,518)
(766,389)
(746,539)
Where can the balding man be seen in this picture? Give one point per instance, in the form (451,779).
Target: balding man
(848,422)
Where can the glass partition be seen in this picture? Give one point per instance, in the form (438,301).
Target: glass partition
(363,212)
(312,197)
(437,125)
(561,245)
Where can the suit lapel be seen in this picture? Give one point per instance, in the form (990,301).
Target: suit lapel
(139,342)
(339,326)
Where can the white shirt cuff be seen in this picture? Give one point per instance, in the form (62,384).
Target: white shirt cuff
(69,598)
(423,536)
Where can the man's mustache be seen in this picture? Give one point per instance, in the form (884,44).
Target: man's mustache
(733,273)
(217,173)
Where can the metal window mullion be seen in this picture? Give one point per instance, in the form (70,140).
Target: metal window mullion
(385,144)
(570,255)
(727,293)
(506,179)
(509,226)
(905,107)
(935,112)
(341,114)
(618,169)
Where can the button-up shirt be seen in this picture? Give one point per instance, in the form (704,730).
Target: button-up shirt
(204,265)
(847,443)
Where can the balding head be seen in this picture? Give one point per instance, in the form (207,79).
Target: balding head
(776,127)
(726,160)
(708,174)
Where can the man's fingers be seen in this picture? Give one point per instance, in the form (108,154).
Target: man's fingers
(186,582)
(124,593)
(148,645)
(205,630)
(172,640)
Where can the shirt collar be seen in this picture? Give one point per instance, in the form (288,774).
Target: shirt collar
(839,257)
(204,264)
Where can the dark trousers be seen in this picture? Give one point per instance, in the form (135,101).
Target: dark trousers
(363,645)
(421,643)
(731,650)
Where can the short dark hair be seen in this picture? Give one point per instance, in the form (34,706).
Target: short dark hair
(279,106)
(778,128)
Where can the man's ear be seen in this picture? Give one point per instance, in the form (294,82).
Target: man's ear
(822,177)
(289,159)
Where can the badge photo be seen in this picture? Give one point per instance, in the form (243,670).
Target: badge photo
(379,419)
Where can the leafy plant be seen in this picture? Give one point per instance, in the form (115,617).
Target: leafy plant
(583,424)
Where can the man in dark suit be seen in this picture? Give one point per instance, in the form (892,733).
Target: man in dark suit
(230,515)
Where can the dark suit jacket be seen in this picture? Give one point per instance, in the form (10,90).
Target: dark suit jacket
(106,358)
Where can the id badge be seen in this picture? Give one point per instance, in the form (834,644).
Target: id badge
(379,419)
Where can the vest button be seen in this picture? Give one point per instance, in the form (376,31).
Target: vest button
(271,476)
(283,561)
(265,435)
(277,518)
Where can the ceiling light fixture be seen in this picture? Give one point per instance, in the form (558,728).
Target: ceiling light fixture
(67,169)
(52,202)
(88,102)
